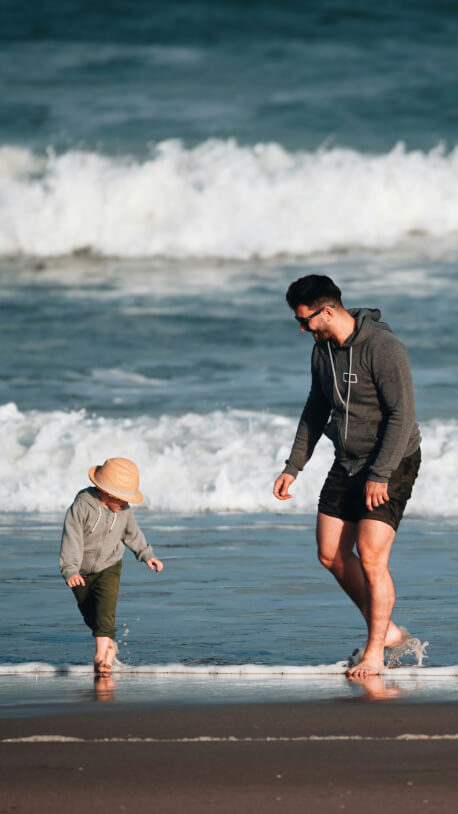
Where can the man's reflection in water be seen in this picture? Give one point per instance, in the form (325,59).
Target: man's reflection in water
(377,688)
(104,687)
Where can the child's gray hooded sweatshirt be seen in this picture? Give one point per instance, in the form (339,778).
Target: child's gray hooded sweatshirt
(94,538)
(364,387)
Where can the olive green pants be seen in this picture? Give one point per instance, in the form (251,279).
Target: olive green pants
(97,600)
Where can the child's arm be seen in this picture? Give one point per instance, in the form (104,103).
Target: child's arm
(72,546)
(154,563)
(75,580)
(135,540)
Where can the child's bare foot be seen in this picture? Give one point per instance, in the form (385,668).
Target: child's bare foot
(111,654)
(104,688)
(102,670)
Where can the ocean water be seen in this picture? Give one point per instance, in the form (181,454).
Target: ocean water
(166,171)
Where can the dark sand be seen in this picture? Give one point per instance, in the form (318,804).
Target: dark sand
(173,774)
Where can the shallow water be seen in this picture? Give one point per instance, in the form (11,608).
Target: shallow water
(236,589)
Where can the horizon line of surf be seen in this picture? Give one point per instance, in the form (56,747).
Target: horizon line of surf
(247,670)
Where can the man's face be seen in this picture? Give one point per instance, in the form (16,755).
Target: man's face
(319,325)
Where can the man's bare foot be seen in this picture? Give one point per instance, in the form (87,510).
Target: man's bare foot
(367,667)
(394,635)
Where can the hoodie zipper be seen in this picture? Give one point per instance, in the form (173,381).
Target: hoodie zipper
(107,531)
(346,402)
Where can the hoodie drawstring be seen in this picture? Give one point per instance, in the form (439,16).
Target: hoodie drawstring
(99,515)
(97,521)
(347,402)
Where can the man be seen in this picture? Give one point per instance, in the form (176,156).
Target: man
(361,398)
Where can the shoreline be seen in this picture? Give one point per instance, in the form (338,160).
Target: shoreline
(32,695)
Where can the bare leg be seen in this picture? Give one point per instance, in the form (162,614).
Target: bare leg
(336,540)
(374,542)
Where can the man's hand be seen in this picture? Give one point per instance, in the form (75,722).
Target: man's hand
(282,485)
(75,580)
(376,494)
(155,564)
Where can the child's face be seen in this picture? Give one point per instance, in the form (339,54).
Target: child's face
(114,504)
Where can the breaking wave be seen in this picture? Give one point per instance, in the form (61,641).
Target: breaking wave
(223,200)
(223,461)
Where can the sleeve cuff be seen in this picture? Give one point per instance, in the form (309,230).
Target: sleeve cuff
(290,470)
(67,573)
(371,475)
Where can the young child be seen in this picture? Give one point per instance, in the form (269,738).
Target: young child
(97,526)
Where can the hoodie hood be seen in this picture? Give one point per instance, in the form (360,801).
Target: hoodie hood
(367,322)
(91,498)
(89,495)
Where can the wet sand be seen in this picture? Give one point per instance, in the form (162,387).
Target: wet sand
(314,757)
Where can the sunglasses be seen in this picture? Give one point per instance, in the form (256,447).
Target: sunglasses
(304,321)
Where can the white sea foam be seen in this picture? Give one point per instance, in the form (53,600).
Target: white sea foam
(405,736)
(223,670)
(223,200)
(224,461)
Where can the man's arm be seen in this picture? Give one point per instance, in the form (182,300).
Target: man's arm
(311,425)
(375,494)
(281,486)
(393,379)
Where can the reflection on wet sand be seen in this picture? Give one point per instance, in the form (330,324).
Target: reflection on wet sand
(104,687)
(378,688)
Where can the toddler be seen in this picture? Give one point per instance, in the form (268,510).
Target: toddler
(97,526)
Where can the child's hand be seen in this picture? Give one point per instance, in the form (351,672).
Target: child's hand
(75,580)
(154,564)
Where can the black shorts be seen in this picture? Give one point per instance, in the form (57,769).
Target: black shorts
(343,495)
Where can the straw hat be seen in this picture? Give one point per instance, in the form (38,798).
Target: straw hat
(118,477)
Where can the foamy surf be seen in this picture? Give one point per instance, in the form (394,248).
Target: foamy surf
(405,736)
(222,670)
(222,200)
(221,461)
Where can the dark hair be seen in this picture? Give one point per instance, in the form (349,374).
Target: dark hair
(315,289)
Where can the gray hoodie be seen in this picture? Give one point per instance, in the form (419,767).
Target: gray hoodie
(364,387)
(93,537)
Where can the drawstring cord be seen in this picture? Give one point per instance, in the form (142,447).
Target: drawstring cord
(97,521)
(99,515)
(347,402)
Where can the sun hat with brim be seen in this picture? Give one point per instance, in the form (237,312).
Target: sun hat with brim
(118,477)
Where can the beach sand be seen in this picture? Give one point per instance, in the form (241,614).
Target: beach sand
(315,757)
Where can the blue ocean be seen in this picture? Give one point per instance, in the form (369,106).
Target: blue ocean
(167,169)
